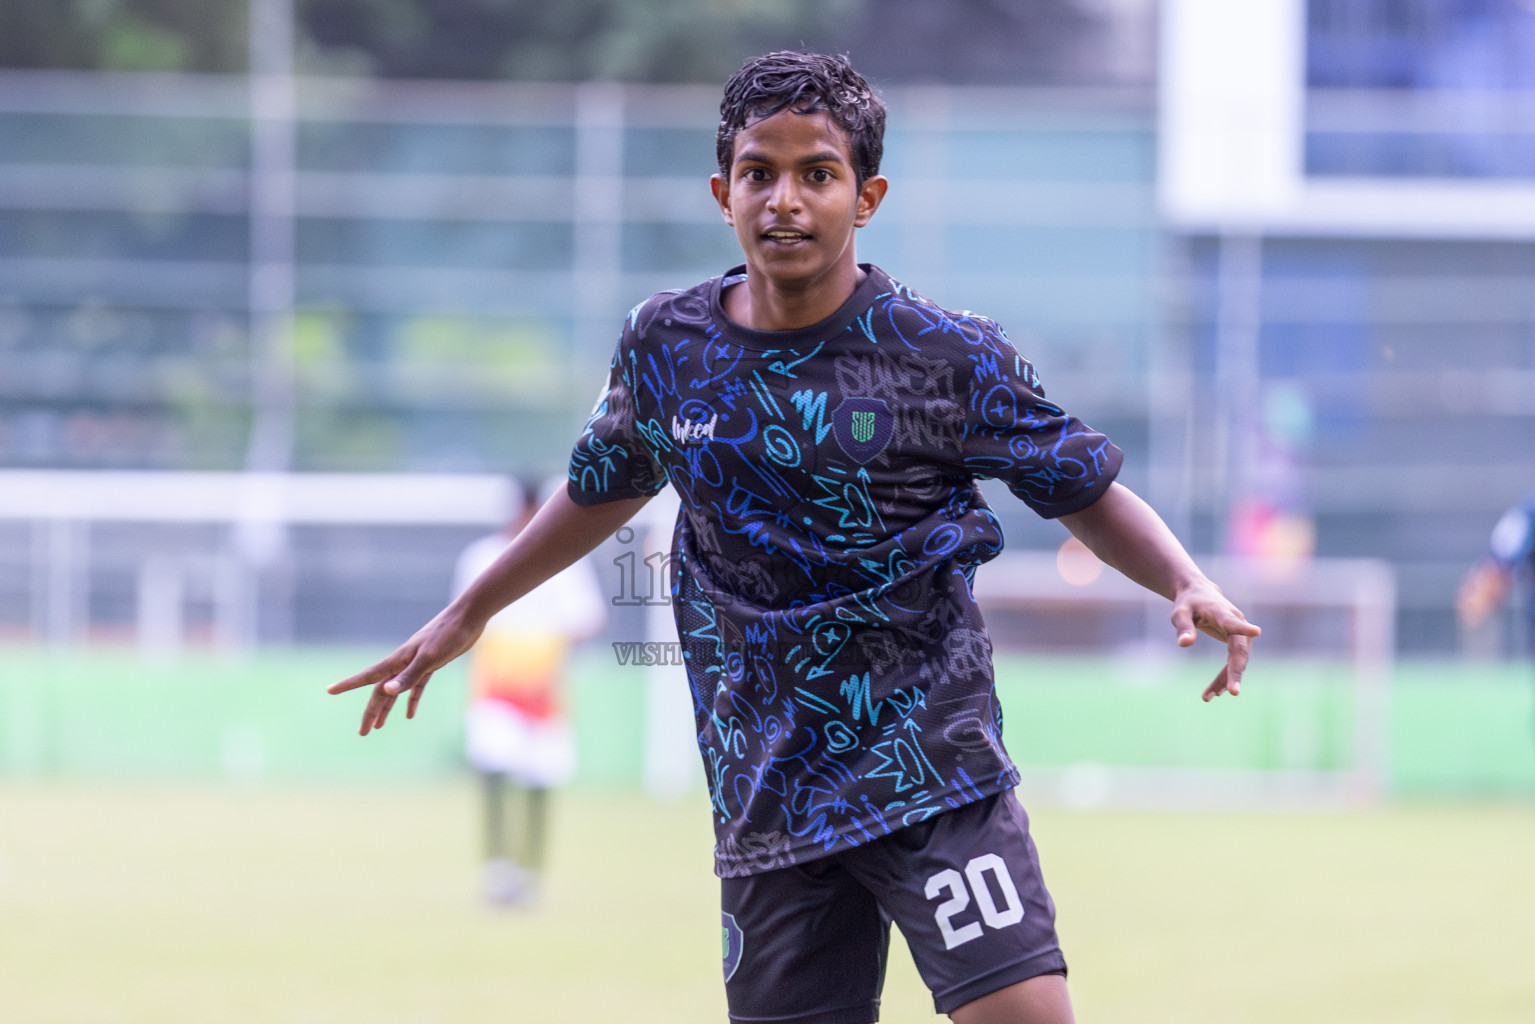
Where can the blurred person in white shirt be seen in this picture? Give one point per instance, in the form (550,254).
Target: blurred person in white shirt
(517,730)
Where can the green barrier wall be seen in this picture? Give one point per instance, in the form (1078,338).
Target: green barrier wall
(1454,728)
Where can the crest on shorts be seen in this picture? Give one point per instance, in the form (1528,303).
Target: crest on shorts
(862,427)
(733,941)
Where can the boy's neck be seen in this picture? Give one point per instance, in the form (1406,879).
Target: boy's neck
(762,304)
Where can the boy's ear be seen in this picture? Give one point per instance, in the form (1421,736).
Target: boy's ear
(870,194)
(721,189)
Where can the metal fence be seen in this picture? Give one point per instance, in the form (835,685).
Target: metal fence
(457,257)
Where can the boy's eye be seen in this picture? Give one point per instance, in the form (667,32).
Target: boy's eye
(755,174)
(820,174)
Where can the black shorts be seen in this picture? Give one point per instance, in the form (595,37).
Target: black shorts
(807,943)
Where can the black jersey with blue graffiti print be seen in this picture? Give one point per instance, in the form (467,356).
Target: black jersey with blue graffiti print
(823,556)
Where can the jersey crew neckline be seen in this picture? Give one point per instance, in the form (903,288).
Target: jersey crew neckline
(863,295)
(823,558)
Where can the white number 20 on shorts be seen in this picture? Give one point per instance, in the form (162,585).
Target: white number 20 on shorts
(1011,911)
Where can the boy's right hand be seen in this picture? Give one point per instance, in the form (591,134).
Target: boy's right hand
(410,667)
(560,533)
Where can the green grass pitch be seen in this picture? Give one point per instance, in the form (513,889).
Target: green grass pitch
(288,904)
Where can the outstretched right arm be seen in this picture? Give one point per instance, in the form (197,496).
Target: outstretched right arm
(559,534)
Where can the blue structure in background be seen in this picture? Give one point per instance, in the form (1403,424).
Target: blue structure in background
(1444,79)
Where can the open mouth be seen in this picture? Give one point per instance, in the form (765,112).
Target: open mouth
(784,236)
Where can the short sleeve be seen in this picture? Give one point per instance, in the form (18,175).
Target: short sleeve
(610,460)
(1053,461)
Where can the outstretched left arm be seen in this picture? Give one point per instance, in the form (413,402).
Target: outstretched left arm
(1127,534)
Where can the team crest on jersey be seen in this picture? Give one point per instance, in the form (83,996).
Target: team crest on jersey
(862,427)
(733,941)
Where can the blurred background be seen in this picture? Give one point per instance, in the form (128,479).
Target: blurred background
(290,290)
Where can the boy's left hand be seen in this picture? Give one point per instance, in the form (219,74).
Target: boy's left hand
(1201,606)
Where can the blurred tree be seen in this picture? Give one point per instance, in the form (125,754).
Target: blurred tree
(984,42)
(562,40)
(123,35)
(960,41)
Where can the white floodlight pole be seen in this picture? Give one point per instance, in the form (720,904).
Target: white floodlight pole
(597,215)
(670,766)
(1238,323)
(260,537)
(1231,98)
(273,147)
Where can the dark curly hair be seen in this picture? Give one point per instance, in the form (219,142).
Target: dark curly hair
(804,83)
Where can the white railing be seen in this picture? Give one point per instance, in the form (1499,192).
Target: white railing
(1361,590)
(251,512)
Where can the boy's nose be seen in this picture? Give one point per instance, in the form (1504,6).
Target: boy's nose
(784,198)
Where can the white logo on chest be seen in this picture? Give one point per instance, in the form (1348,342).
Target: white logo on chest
(688,431)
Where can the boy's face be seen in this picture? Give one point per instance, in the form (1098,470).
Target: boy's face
(794,200)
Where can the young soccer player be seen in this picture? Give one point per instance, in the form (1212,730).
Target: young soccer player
(1510,551)
(824,427)
(1510,558)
